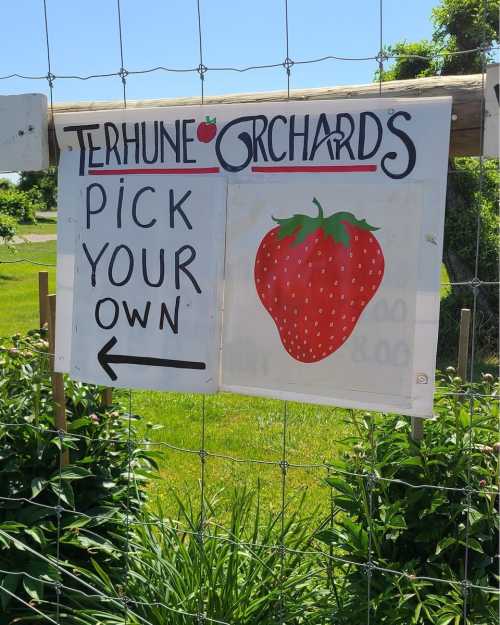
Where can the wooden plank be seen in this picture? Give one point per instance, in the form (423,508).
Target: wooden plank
(463,343)
(465,90)
(57,380)
(107,397)
(23,132)
(417,429)
(43,294)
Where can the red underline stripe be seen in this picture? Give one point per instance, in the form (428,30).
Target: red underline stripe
(314,169)
(156,170)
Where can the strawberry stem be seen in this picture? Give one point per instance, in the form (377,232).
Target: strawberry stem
(319,207)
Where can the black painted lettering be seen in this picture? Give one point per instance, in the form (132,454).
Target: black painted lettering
(98,314)
(176,207)
(130,140)
(245,139)
(93,263)
(344,140)
(296,134)
(257,142)
(181,266)
(111,143)
(186,138)
(322,135)
(145,157)
(141,224)
(79,133)
(363,117)
(134,315)
(408,143)
(173,144)
(145,273)
(112,262)
(92,149)
(164,314)
(119,206)
(270,146)
(100,188)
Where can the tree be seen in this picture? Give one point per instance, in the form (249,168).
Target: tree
(460,26)
(45,182)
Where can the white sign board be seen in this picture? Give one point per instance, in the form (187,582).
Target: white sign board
(329,215)
(23,132)
(492,108)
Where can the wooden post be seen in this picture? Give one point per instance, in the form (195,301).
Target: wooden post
(43,294)
(463,343)
(57,380)
(417,429)
(107,397)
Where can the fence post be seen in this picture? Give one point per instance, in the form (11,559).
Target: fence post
(57,379)
(463,343)
(417,428)
(43,294)
(106,397)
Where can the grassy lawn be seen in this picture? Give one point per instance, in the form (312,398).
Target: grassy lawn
(19,285)
(236,426)
(44,225)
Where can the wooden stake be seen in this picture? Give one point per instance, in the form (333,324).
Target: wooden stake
(417,429)
(43,294)
(107,397)
(57,380)
(463,343)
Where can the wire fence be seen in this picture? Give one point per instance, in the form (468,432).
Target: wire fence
(69,581)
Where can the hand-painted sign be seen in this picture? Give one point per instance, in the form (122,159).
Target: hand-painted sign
(492,110)
(23,132)
(332,213)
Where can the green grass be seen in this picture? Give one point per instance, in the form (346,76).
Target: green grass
(44,225)
(236,426)
(39,228)
(239,427)
(19,285)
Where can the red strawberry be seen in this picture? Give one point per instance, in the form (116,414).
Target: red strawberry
(315,276)
(206,130)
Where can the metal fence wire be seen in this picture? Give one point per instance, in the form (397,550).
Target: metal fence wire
(70,582)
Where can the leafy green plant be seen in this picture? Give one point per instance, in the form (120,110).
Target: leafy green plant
(45,182)
(416,529)
(48,515)
(7,228)
(21,205)
(241,575)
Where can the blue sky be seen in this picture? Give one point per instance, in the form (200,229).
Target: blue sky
(84,40)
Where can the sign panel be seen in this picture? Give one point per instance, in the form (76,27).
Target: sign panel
(148,265)
(23,132)
(328,276)
(492,108)
(355,175)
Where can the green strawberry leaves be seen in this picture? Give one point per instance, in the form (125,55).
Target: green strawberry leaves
(334,226)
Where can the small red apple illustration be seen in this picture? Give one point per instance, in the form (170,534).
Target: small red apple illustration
(207,130)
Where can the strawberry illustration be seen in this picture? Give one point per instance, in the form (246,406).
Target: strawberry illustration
(207,130)
(315,276)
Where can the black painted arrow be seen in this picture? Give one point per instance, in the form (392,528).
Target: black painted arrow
(105,358)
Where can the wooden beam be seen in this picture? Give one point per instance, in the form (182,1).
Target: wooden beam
(466,92)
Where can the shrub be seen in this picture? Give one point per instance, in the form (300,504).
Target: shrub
(92,491)
(239,570)
(420,531)
(45,182)
(21,205)
(7,228)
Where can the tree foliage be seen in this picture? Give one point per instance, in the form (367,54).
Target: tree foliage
(45,182)
(461,26)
